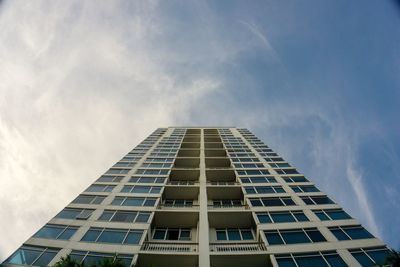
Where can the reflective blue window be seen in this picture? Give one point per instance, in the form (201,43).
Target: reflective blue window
(294,237)
(53,231)
(32,255)
(282,217)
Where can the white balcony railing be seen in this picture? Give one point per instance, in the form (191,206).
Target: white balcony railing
(240,207)
(237,247)
(182,183)
(169,247)
(177,206)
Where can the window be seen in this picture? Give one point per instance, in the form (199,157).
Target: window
(100,188)
(152,172)
(295,179)
(178,202)
(147,180)
(256,180)
(317,200)
(156,165)
(54,231)
(370,256)
(264,189)
(333,214)
(272,201)
(293,236)
(148,160)
(304,188)
(172,234)
(141,189)
(118,171)
(130,159)
(124,164)
(125,216)
(88,199)
(323,258)
(253,172)
(280,217)
(286,171)
(227,203)
(113,236)
(90,258)
(234,234)
(350,232)
(79,214)
(245,160)
(110,178)
(134,201)
(162,154)
(32,255)
(248,165)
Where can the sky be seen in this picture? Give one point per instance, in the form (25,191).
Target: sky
(83,82)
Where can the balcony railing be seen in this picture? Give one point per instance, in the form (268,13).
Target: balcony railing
(222,183)
(182,183)
(238,247)
(228,207)
(178,206)
(169,247)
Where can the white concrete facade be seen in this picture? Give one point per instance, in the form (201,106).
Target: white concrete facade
(203,196)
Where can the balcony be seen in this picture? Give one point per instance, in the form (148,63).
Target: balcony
(181,192)
(212,139)
(190,145)
(213,145)
(231,219)
(182,183)
(218,163)
(211,132)
(184,175)
(224,192)
(193,131)
(220,175)
(187,163)
(215,153)
(190,139)
(168,254)
(173,247)
(240,259)
(192,153)
(242,247)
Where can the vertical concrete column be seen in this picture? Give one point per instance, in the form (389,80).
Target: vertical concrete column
(204,250)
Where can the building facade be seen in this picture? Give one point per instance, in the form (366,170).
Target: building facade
(188,197)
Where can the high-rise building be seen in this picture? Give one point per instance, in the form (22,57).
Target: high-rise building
(187,197)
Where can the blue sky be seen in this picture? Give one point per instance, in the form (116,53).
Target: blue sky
(83,81)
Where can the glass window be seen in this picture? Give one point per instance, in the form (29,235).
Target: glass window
(294,237)
(159,234)
(143,217)
(121,216)
(68,213)
(233,234)
(315,260)
(282,217)
(106,216)
(133,202)
(26,255)
(338,215)
(300,217)
(52,231)
(263,218)
(247,234)
(91,235)
(221,235)
(273,238)
(133,237)
(286,262)
(315,235)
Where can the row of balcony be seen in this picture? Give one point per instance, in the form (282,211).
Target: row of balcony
(189,247)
